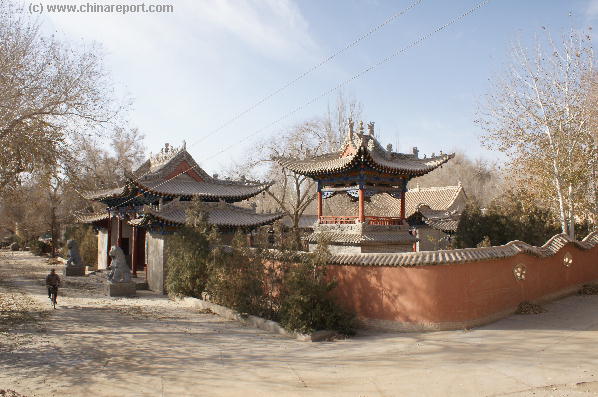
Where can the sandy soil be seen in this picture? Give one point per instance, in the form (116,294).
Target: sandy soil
(151,346)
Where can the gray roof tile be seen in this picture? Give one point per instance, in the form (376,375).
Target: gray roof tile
(219,214)
(425,258)
(364,149)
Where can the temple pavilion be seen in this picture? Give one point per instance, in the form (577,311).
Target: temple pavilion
(151,203)
(361,169)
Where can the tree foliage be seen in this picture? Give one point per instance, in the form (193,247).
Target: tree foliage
(308,303)
(237,279)
(480,178)
(292,193)
(542,114)
(47,199)
(292,289)
(509,217)
(51,92)
(188,255)
(87,240)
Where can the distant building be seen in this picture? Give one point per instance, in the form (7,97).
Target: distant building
(358,173)
(153,202)
(433,212)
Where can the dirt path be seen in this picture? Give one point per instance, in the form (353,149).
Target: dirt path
(150,346)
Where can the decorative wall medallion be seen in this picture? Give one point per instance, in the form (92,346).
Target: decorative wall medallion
(519,271)
(568,259)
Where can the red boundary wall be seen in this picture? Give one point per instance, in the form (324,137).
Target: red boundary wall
(463,294)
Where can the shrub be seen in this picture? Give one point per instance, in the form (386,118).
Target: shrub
(188,254)
(236,278)
(299,295)
(307,302)
(509,217)
(38,247)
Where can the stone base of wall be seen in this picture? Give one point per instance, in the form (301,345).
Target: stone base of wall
(257,322)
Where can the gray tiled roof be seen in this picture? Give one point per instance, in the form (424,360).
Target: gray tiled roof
(93,217)
(445,225)
(365,149)
(172,178)
(219,214)
(184,185)
(424,258)
(446,221)
(105,193)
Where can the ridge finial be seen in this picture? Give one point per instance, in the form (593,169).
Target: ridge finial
(371,128)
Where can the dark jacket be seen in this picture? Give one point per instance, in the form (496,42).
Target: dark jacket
(53,280)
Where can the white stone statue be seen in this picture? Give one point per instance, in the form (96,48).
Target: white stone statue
(74,258)
(120,272)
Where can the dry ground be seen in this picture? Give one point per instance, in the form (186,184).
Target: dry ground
(150,346)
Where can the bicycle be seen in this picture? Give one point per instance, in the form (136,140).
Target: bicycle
(53,295)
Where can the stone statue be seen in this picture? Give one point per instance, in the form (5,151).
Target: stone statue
(74,258)
(120,272)
(74,264)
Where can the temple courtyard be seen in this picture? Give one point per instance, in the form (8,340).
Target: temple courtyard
(151,346)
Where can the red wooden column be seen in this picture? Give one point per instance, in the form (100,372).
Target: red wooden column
(109,259)
(361,205)
(119,236)
(404,188)
(319,206)
(402,207)
(134,250)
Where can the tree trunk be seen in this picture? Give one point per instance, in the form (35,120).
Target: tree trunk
(559,194)
(594,193)
(296,231)
(571,213)
(53,229)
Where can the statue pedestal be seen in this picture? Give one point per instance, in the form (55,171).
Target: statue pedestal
(121,289)
(74,271)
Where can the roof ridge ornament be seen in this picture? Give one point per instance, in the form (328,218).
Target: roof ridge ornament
(165,155)
(371,128)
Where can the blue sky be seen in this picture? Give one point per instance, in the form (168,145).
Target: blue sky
(190,71)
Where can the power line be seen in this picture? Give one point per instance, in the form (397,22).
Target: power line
(304,74)
(388,58)
(301,76)
(310,70)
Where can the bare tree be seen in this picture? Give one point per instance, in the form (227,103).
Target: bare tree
(293,193)
(538,115)
(49,92)
(480,178)
(48,198)
(96,168)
